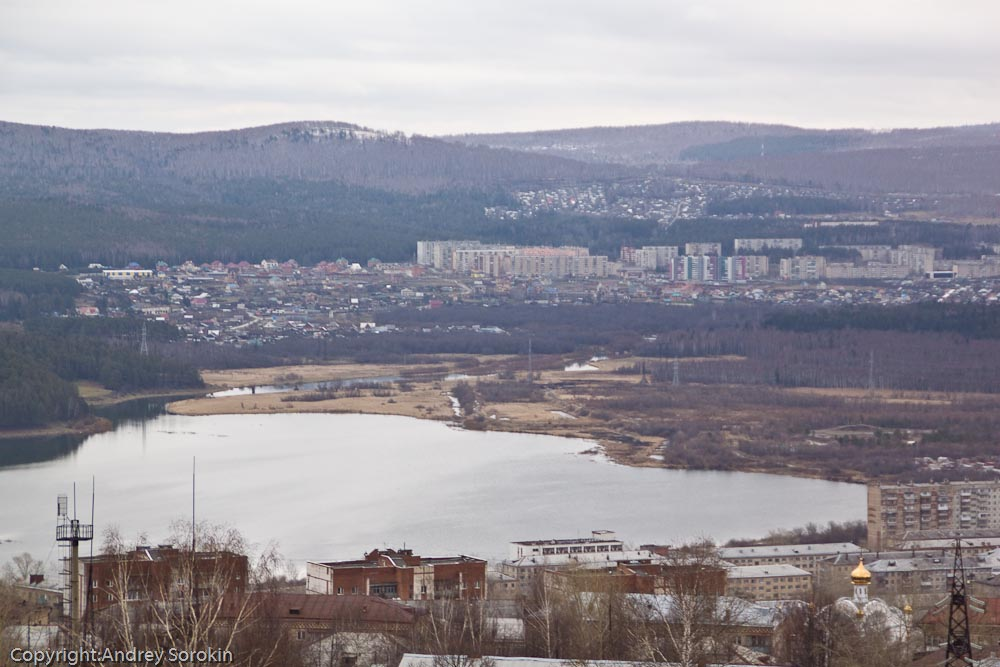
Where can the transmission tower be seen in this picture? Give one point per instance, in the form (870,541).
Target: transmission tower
(677,373)
(958,650)
(144,344)
(871,373)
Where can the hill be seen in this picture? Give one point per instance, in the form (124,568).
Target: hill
(936,160)
(309,190)
(95,161)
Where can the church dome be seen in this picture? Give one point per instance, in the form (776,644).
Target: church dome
(861,576)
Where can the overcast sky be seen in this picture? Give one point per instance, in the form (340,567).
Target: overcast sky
(444,66)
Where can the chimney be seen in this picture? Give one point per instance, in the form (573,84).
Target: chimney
(35,579)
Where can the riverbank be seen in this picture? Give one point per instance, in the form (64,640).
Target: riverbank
(81,427)
(97,397)
(637,424)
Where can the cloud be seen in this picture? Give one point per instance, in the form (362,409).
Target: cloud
(447,66)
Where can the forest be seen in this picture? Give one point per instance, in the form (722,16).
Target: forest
(25,294)
(43,352)
(40,366)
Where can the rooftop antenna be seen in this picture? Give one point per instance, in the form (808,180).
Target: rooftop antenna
(72,532)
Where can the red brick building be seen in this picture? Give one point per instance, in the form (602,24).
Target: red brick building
(399,574)
(160,573)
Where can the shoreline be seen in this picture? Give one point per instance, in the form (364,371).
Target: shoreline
(95,423)
(430,398)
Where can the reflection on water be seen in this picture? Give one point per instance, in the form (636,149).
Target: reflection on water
(23,451)
(303,386)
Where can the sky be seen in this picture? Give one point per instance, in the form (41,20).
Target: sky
(454,66)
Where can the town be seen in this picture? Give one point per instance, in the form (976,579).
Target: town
(244,303)
(553,598)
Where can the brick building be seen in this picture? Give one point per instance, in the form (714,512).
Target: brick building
(399,574)
(161,573)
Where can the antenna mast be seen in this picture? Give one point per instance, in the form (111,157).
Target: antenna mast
(144,344)
(72,532)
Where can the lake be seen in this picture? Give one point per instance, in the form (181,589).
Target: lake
(334,486)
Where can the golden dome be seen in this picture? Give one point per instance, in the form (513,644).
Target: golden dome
(861,575)
(907,609)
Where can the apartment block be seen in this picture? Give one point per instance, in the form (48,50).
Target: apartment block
(557,263)
(749,246)
(806,267)
(494,261)
(654,258)
(868,271)
(440,254)
(769,582)
(696,268)
(898,510)
(703,249)
(917,258)
(744,267)
(805,556)
(401,575)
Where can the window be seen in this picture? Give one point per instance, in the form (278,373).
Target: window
(354,590)
(340,590)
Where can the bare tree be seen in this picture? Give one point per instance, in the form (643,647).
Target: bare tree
(460,631)
(22,566)
(692,622)
(190,601)
(579,615)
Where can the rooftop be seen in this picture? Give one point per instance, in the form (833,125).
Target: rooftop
(595,536)
(764,571)
(788,550)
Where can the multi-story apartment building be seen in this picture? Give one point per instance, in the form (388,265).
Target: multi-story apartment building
(868,271)
(399,574)
(654,257)
(769,582)
(703,249)
(917,258)
(805,556)
(440,254)
(744,267)
(806,267)
(494,261)
(895,510)
(746,246)
(695,268)
(558,263)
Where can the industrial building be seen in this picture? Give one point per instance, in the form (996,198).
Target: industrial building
(398,574)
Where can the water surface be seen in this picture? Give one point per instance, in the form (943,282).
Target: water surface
(333,486)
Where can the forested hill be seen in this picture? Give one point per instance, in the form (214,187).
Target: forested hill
(963,159)
(36,158)
(310,191)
